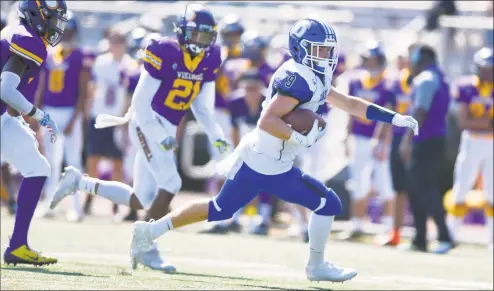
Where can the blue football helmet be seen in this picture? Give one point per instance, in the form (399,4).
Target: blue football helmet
(196,28)
(47,18)
(484,62)
(373,58)
(313,44)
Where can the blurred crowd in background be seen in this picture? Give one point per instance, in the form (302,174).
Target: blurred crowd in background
(254,38)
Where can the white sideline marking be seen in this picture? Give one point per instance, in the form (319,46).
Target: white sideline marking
(268,270)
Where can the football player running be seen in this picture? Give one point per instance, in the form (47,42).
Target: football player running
(23,51)
(264,158)
(178,75)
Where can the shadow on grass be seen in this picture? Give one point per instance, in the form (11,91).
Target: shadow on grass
(212,276)
(271,287)
(48,271)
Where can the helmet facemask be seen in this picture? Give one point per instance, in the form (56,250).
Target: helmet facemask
(320,57)
(196,41)
(55,27)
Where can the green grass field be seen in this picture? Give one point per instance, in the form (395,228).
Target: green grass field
(94,255)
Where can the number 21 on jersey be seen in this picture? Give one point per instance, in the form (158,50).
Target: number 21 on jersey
(182,94)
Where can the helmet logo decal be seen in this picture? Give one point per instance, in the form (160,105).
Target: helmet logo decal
(52,4)
(190,14)
(300,28)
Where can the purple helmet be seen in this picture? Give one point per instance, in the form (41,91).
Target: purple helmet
(196,28)
(47,18)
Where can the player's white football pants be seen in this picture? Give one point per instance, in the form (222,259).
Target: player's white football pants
(474,156)
(68,147)
(154,168)
(363,166)
(19,147)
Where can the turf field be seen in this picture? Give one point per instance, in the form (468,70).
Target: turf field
(94,255)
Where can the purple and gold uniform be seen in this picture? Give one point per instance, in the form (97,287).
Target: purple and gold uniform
(241,117)
(182,77)
(62,77)
(373,91)
(362,163)
(23,41)
(475,154)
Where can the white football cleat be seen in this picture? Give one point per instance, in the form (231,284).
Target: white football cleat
(152,259)
(74,216)
(329,272)
(142,241)
(67,186)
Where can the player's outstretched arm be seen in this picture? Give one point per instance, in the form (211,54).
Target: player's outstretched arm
(366,110)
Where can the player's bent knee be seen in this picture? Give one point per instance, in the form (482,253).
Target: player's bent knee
(330,204)
(216,213)
(171,185)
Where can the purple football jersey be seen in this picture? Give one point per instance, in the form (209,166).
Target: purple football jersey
(266,72)
(229,72)
(241,117)
(23,41)
(182,76)
(479,98)
(134,76)
(62,77)
(373,91)
(401,99)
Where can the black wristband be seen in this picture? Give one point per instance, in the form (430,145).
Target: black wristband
(33,111)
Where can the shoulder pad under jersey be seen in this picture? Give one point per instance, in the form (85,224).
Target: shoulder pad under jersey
(25,43)
(157,53)
(293,80)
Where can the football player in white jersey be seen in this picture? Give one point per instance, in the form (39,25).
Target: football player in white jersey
(264,158)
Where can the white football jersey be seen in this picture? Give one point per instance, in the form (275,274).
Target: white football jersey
(110,81)
(270,155)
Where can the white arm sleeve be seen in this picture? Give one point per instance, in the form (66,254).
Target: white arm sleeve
(141,103)
(203,108)
(10,95)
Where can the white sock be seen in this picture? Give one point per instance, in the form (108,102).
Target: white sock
(357,224)
(387,221)
(319,229)
(116,192)
(161,226)
(237,214)
(453,222)
(265,211)
(490,227)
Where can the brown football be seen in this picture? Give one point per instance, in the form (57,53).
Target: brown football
(301,120)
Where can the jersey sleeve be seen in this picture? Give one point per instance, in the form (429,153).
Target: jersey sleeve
(459,91)
(289,83)
(215,63)
(153,60)
(31,49)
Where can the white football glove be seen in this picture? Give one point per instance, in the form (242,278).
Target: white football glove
(406,121)
(306,140)
(47,122)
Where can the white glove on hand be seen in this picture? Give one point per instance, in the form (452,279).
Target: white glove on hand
(306,140)
(47,122)
(221,145)
(406,121)
(169,143)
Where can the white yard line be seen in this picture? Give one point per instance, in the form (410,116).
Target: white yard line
(267,270)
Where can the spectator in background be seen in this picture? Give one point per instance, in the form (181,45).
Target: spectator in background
(422,153)
(109,83)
